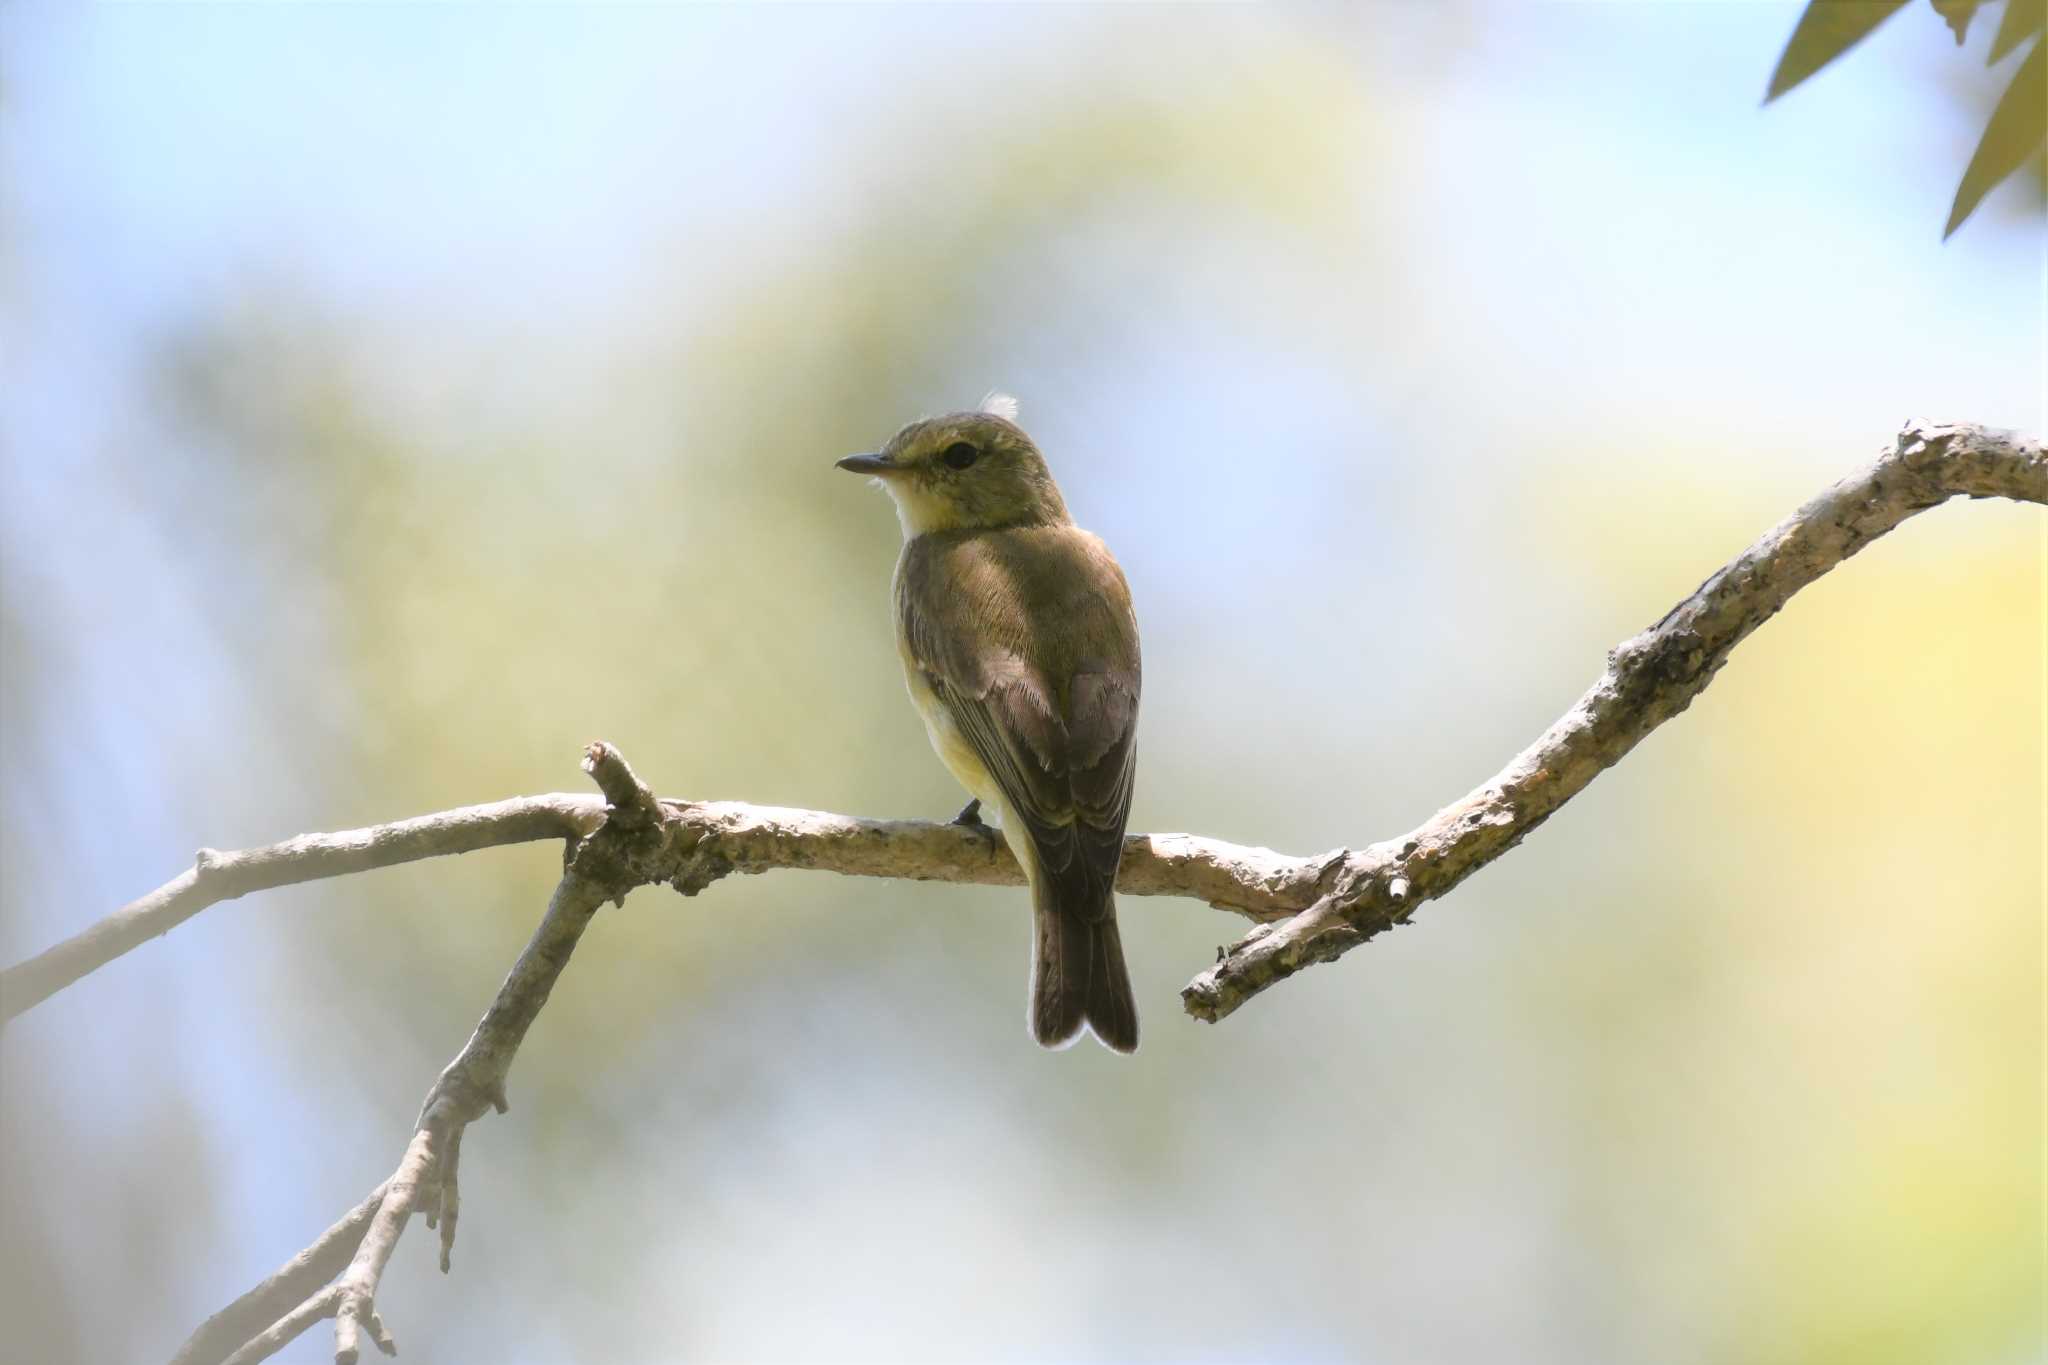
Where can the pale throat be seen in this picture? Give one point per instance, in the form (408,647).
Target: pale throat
(919,511)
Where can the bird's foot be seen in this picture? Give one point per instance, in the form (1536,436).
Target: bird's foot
(970,819)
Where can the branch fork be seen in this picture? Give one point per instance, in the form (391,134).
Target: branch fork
(1308,910)
(599,868)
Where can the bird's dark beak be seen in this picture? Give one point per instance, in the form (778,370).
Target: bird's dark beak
(867,464)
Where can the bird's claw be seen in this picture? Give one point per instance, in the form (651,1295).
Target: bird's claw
(970,819)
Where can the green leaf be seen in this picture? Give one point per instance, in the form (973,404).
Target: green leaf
(1957,14)
(2022,18)
(2017,127)
(1825,31)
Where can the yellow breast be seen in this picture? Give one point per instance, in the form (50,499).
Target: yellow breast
(947,742)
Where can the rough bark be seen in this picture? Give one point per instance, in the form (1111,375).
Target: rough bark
(1314,909)
(1649,679)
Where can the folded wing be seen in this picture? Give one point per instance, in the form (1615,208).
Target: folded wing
(1028,639)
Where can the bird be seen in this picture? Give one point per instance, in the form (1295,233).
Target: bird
(1020,651)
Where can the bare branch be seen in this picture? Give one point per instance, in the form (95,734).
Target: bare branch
(471,1085)
(1649,679)
(286,1329)
(355,1294)
(632,804)
(712,839)
(426,1178)
(293,1283)
(722,837)
(1347,896)
(216,877)
(1335,901)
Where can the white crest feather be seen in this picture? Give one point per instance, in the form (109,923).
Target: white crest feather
(1001,405)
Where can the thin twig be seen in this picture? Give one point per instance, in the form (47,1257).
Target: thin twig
(243,1320)
(216,876)
(474,1083)
(286,1329)
(355,1293)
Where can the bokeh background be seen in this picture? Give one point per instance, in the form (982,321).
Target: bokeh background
(397,399)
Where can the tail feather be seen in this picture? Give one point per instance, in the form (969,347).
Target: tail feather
(1112,1013)
(1078,978)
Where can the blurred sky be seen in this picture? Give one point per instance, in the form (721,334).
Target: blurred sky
(397,398)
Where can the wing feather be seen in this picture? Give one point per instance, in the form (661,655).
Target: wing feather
(1027,638)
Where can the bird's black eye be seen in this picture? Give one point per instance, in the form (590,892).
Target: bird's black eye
(960,454)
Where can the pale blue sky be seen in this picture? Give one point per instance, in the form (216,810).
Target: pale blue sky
(1593,219)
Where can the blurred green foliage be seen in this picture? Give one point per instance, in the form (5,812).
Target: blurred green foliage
(1738,1060)
(2017,126)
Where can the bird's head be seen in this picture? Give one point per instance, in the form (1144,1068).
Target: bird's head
(965,471)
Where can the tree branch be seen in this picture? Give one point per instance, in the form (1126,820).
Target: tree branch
(216,877)
(1649,679)
(712,839)
(1347,895)
(471,1085)
(1316,908)
(244,1320)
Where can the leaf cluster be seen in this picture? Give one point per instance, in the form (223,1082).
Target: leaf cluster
(2017,126)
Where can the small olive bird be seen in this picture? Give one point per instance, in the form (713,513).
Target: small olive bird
(1021,653)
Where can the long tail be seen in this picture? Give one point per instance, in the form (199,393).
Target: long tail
(1078,976)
